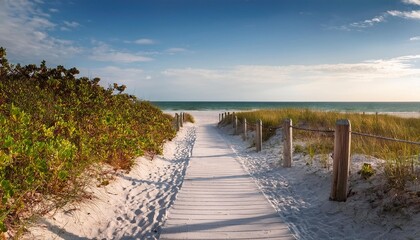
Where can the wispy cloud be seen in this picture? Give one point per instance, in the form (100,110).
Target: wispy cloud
(368,22)
(367,80)
(53,10)
(175,50)
(415,2)
(416,38)
(68,26)
(415,14)
(24,32)
(71,24)
(138,81)
(144,41)
(104,53)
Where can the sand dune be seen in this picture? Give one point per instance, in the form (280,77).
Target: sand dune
(135,205)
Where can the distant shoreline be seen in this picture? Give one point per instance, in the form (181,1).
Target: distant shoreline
(402,109)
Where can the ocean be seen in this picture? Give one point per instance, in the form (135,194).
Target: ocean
(325,106)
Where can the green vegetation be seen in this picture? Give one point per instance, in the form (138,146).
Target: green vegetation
(402,159)
(55,126)
(367,171)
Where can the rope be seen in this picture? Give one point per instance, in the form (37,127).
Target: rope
(314,130)
(385,138)
(272,128)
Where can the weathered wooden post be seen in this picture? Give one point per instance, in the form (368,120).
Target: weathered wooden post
(181,120)
(177,121)
(219,117)
(236,124)
(341,164)
(287,142)
(259,136)
(245,133)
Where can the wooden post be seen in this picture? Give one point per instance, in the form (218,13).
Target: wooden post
(219,117)
(235,125)
(177,121)
(245,133)
(342,142)
(259,136)
(287,142)
(181,120)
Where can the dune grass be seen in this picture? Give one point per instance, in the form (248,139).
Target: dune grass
(402,159)
(189,118)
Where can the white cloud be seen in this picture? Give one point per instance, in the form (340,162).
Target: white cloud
(53,10)
(415,14)
(71,24)
(415,2)
(368,22)
(24,32)
(373,80)
(138,81)
(416,38)
(144,41)
(175,50)
(103,52)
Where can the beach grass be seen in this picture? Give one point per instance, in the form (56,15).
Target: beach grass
(402,159)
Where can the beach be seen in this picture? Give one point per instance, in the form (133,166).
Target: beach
(135,205)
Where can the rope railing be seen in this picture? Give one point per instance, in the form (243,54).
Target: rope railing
(384,138)
(313,130)
(342,146)
(272,127)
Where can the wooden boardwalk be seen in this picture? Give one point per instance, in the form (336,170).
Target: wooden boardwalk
(219,200)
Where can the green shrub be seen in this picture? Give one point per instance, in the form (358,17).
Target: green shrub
(367,171)
(53,126)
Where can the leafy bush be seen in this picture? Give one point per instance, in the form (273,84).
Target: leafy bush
(53,126)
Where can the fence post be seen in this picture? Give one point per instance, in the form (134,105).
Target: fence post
(219,117)
(287,142)
(236,125)
(245,134)
(259,136)
(181,120)
(177,121)
(342,142)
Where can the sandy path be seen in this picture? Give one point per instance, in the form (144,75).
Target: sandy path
(218,199)
(133,206)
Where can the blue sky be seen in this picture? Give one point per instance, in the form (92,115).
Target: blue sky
(254,50)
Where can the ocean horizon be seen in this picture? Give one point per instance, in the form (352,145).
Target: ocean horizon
(323,106)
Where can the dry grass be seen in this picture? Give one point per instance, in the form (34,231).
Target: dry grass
(402,159)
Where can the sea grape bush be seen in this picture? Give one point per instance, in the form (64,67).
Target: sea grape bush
(54,125)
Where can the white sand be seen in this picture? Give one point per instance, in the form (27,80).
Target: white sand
(134,206)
